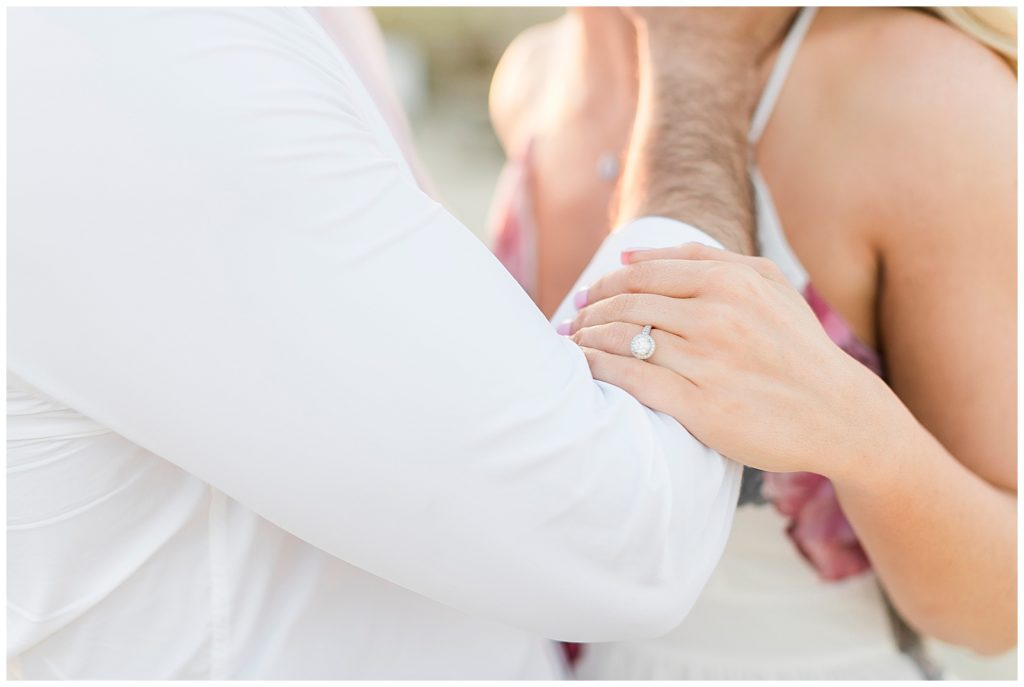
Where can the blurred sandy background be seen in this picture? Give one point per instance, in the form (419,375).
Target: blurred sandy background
(442,59)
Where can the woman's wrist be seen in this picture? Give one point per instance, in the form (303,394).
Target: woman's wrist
(879,430)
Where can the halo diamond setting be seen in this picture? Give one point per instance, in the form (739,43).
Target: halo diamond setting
(642,345)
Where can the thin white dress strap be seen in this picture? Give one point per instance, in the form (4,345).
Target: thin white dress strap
(779,72)
(771,239)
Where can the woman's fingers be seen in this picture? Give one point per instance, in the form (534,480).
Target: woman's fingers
(685,271)
(678,278)
(661,312)
(615,337)
(670,351)
(654,386)
(698,251)
(670,277)
(684,251)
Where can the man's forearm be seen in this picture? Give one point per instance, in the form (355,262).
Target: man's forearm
(688,154)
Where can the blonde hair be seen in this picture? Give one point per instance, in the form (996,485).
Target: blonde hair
(995,27)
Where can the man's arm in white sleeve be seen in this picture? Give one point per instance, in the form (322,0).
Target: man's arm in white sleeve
(242,277)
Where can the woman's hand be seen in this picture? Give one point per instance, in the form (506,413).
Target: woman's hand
(741,361)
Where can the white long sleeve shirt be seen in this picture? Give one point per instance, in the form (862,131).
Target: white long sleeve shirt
(273,412)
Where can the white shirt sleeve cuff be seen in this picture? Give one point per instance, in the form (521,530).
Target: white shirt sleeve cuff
(646,232)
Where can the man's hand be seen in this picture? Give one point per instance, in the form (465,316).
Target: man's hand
(688,156)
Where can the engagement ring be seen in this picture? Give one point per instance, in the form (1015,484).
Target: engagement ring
(642,346)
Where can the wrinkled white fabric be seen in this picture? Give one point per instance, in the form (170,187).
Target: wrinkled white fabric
(273,412)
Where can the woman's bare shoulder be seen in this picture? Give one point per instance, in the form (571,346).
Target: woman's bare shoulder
(519,82)
(912,98)
(911,56)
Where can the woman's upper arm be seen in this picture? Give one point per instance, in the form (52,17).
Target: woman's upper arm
(943,214)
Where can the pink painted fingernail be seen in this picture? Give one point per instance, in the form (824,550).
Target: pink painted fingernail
(580,299)
(624,256)
(564,327)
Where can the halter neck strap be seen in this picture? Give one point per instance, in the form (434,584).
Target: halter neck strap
(777,79)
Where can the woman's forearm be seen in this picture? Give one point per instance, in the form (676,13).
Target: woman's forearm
(942,540)
(757,378)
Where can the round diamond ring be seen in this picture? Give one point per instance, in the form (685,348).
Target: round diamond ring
(642,346)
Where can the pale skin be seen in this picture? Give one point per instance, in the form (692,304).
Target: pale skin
(571,131)
(891,158)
